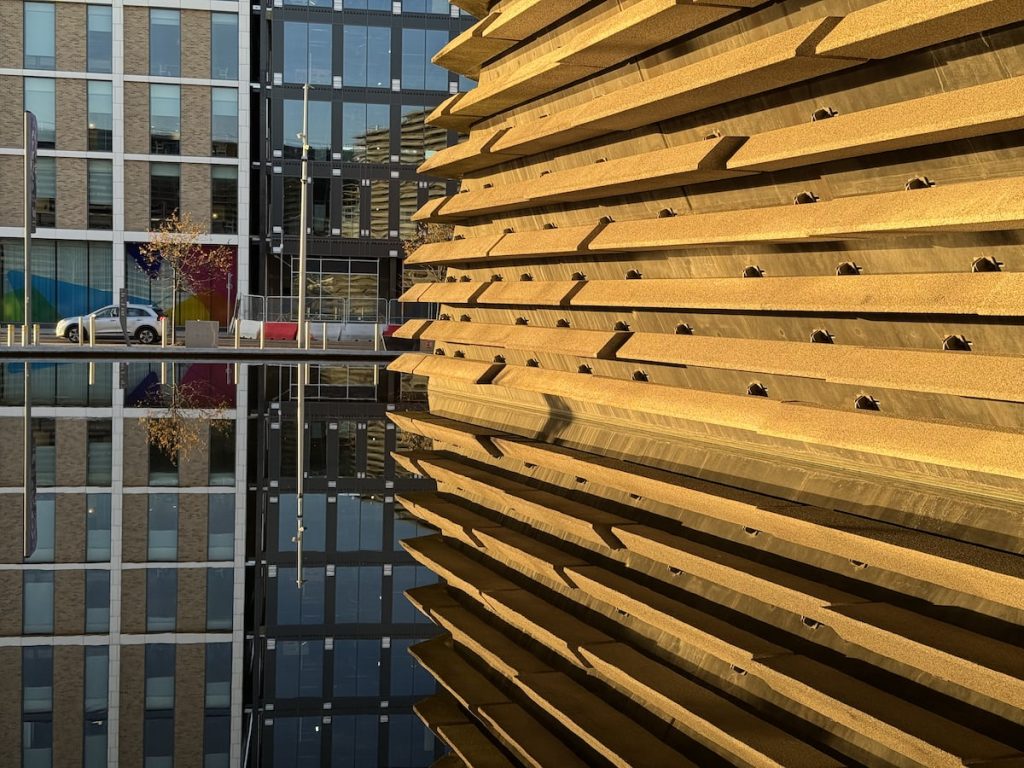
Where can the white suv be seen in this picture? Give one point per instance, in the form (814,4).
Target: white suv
(143,324)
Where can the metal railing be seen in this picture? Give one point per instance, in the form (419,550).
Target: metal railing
(331,309)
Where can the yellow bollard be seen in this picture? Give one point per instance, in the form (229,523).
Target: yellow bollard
(24,335)
(35,333)
(92,373)
(263,335)
(81,333)
(238,334)
(92,333)
(163,331)
(323,338)
(10,335)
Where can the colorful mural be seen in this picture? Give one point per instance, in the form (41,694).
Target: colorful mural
(148,283)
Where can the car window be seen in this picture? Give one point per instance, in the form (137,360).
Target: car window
(108,312)
(135,312)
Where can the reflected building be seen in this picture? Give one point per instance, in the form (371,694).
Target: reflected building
(121,636)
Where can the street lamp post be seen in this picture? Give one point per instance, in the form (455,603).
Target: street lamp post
(300,335)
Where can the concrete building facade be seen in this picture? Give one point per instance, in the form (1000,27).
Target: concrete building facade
(725,393)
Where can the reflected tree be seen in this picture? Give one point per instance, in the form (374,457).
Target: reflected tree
(181,411)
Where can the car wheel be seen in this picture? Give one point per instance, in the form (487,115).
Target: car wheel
(71,334)
(146,335)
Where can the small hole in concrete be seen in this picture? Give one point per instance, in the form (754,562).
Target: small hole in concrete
(459,353)
(956,344)
(986,264)
(522,321)
(824,113)
(585,369)
(533,363)
(497,278)
(465,279)
(634,274)
(804,198)
(465,318)
(562,323)
(526,277)
(684,330)
(919,182)
(753,271)
(499,359)
(621,325)
(848,268)
(866,403)
(758,390)
(578,276)
(667,213)
(640,376)
(822,337)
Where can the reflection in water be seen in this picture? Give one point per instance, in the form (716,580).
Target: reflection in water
(157,621)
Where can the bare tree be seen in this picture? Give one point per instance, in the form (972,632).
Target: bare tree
(177,430)
(177,245)
(425,273)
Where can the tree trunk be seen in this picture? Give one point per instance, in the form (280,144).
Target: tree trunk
(174,308)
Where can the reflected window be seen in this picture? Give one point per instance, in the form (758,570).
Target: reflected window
(164,119)
(307,53)
(408,204)
(297,742)
(164,199)
(99,45)
(158,742)
(99,450)
(360,523)
(41,100)
(95,752)
(222,454)
(305,606)
(354,741)
(101,114)
(96,677)
(163,527)
(218,676)
(314,514)
(367,56)
(290,220)
(300,669)
(37,679)
(164,43)
(220,593)
(406,577)
(418,48)
(160,676)
(318,449)
(408,677)
(224,46)
(223,201)
(216,741)
(221,527)
(224,122)
(406,527)
(44,530)
(161,599)
(97,601)
(40,36)
(319,127)
(356,667)
(101,195)
(97,527)
(320,206)
(37,608)
(409,741)
(357,594)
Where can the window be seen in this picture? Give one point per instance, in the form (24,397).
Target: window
(44,531)
(37,743)
(95,753)
(360,523)
(46,195)
(164,43)
(158,742)
(222,453)
(356,668)
(366,132)
(290,219)
(98,452)
(308,606)
(317,449)
(224,122)
(37,679)
(350,203)
(223,46)
(419,140)
(221,527)
(408,204)
(224,199)
(408,678)
(216,741)
(164,199)
(409,741)
(40,36)
(163,527)
(97,601)
(380,209)
(357,594)
(37,611)
(297,742)
(367,60)
(354,741)
(307,53)
(97,528)
(418,72)
(165,119)
(320,221)
(218,676)
(161,599)
(426,6)
(101,205)
(318,126)
(220,595)
(96,671)
(406,577)
(314,515)
(406,528)
(41,100)
(300,669)
(368,5)
(160,676)
(99,42)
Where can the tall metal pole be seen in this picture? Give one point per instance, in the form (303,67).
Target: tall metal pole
(300,411)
